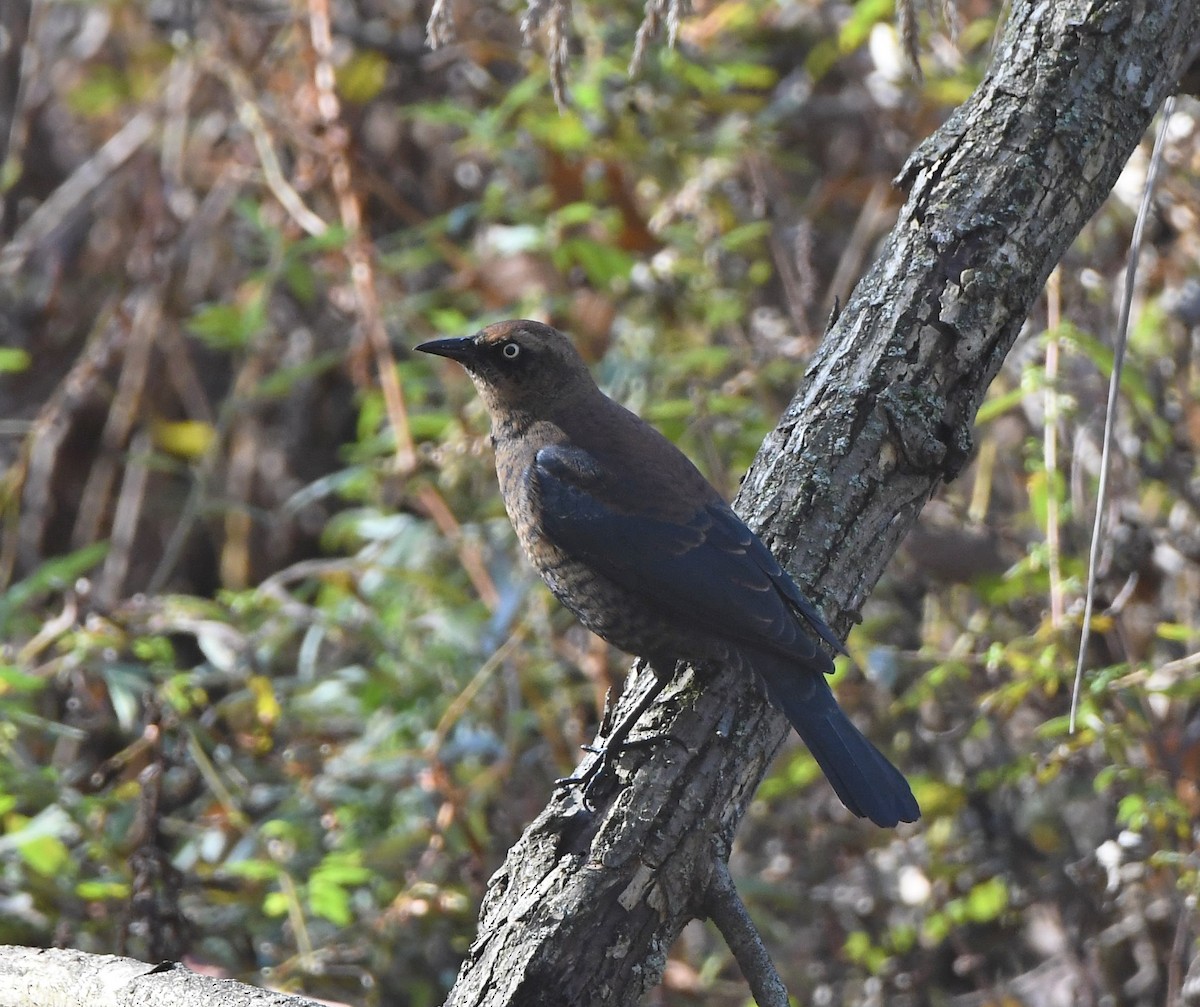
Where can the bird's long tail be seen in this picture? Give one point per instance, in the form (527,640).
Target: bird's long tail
(866,782)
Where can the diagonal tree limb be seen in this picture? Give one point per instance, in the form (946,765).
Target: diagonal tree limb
(587,904)
(61,977)
(726,909)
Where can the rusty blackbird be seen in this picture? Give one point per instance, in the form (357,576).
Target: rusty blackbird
(634,540)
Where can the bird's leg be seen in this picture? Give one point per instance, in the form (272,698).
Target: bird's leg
(618,741)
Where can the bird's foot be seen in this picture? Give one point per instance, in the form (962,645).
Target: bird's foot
(618,741)
(602,765)
(589,778)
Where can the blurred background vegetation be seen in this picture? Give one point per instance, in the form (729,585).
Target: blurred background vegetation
(276,693)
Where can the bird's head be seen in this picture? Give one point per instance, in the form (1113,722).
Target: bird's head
(520,368)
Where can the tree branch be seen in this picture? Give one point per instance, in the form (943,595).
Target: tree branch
(587,904)
(726,910)
(62,978)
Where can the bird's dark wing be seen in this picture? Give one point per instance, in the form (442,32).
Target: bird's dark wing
(710,571)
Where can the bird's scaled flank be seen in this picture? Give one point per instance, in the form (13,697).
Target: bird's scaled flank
(634,540)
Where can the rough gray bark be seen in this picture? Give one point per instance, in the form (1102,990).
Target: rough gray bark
(61,978)
(587,903)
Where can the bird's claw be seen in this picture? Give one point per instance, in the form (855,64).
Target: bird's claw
(590,777)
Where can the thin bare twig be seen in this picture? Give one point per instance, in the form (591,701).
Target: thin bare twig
(656,13)
(728,912)
(439,29)
(1114,385)
(49,631)
(34,478)
(469,554)
(1183,928)
(358,251)
(247,377)
(123,414)
(56,209)
(1050,446)
(181,78)
(19,25)
(129,502)
(467,694)
(874,218)
(557,36)
(910,36)
(1179,664)
(556,16)
(251,118)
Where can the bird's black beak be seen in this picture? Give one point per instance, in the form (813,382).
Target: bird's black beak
(460,349)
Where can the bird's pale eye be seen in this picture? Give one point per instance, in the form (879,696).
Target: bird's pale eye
(511,351)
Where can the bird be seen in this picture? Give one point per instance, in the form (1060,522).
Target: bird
(634,540)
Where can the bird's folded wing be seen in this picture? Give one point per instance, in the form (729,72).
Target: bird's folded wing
(709,571)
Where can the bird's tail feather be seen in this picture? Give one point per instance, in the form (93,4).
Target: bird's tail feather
(866,782)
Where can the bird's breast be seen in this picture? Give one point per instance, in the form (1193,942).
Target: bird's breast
(611,611)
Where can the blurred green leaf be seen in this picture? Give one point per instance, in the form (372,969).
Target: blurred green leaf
(602,263)
(362,77)
(13,361)
(52,575)
(329,901)
(101,92)
(282,382)
(47,854)
(102,891)
(230,326)
(12,679)
(987,900)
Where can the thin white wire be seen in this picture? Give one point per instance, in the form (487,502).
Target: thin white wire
(1120,339)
